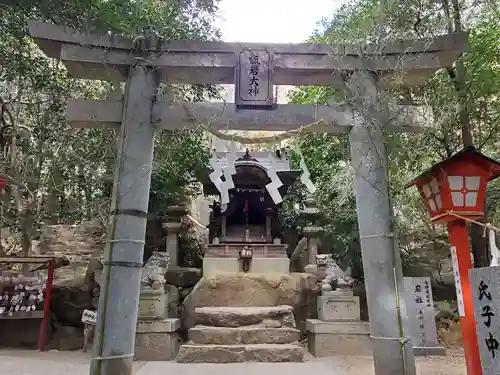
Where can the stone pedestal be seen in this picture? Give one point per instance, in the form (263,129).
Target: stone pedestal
(334,308)
(214,266)
(157,340)
(267,258)
(338,338)
(311,268)
(339,330)
(152,304)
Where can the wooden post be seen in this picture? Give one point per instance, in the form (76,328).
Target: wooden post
(42,340)
(461,258)
(269,220)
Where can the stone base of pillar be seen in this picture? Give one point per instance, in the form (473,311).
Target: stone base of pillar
(152,304)
(421,351)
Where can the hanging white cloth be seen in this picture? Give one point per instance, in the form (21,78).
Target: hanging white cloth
(305,176)
(275,184)
(216,175)
(495,253)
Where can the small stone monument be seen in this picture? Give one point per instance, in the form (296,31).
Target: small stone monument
(486,299)
(338,329)
(156,337)
(421,316)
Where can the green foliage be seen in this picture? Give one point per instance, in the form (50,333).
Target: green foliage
(180,158)
(64,175)
(373,21)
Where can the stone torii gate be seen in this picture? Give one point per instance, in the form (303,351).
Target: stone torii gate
(139,114)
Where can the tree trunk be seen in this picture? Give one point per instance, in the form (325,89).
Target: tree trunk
(457,77)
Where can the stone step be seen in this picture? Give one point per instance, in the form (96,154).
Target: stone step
(242,335)
(192,353)
(273,316)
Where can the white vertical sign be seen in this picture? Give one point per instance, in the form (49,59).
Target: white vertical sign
(485,288)
(458,283)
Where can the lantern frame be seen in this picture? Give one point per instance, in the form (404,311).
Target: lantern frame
(456,187)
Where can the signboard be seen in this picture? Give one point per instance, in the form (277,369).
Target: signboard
(458,282)
(485,287)
(253,80)
(420,307)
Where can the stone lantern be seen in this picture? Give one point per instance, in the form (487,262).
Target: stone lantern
(173,227)
(311,230)
(453,191)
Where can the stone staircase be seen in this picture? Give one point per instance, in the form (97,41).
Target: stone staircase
(241,334)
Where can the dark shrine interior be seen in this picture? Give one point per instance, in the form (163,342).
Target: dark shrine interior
(255,216)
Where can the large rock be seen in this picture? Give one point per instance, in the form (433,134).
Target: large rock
(182,277)
(251,290)
(69,299)
(72,292)
(67,338)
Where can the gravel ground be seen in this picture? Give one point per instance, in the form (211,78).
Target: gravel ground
(451,364)
(14,362)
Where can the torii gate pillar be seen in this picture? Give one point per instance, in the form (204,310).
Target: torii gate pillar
(129,206)
(392,353)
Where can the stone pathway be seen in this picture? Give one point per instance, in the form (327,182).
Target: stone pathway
(77,363)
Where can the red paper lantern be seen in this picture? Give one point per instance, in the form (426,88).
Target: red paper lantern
(457,186)
(3,182)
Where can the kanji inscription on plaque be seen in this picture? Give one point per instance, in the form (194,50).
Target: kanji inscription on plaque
(253,81)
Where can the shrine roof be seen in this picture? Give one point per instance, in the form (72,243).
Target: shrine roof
(263,159)
(287,178)
(252,170)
